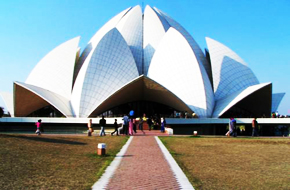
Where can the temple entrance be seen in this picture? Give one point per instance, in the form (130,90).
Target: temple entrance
(154,111)
(141,107)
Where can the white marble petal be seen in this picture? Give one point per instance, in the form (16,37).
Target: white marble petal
(92,44)
(228,102)
(195,47)
(153,31)
(111,66)
(175,66)
(59,102)
(230,72)
(55,71)
(131,28)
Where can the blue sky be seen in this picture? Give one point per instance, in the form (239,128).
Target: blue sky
(257,30)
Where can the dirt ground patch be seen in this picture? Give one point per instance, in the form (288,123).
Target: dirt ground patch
(233,163)
(54,161)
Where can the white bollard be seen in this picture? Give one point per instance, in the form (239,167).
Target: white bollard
(101,149)
(170,131)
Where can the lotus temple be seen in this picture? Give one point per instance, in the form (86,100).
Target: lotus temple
(145,61)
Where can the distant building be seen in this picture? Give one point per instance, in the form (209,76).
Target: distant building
(142,61)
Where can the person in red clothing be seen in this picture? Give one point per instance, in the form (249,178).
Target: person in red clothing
(255,127)
(38,127)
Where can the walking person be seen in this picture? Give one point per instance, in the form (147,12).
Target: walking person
(185,115)
(125,124)
(134,125)
(231,128)
(116,128)
(156,122)
(102,124)
(38,127)
(150,123)
(141,123)
(90,128)
(233,124)
(131,126)
(255,127)
(163,124)
(121,129)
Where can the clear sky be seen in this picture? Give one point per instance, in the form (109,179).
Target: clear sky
(257,30)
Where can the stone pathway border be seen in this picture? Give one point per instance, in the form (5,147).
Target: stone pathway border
(178,173)
(104,180)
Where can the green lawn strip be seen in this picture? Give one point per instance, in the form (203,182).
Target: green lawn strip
(54,161)
(232,163)
(194,180)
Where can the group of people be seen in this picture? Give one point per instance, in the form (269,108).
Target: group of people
(185,115)
(233,128)
(156,123)
(277,115)
(102,124)
(129,124)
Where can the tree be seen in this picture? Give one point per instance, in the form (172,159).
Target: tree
(1,112)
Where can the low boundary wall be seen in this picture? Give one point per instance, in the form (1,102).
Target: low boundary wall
(207,126)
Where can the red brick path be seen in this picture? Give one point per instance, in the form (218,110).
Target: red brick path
(143,167)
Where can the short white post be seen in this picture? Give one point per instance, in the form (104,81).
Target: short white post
(101,149)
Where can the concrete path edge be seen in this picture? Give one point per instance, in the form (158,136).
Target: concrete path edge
(178,173)
(104,180)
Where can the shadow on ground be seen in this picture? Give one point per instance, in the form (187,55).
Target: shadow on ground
(43,139)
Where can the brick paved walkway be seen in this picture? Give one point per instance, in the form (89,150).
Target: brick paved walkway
(143,167)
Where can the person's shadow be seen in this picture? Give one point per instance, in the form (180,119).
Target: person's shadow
(44,139)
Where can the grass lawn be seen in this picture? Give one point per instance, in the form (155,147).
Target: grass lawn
(54,161)
(233,163)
